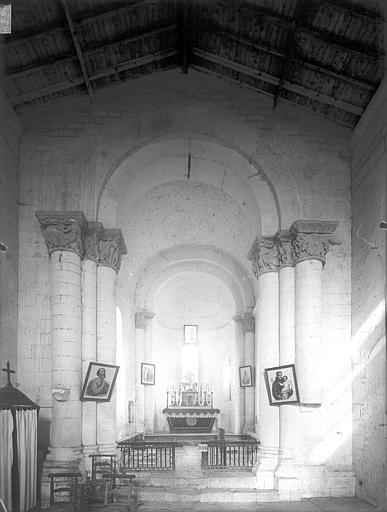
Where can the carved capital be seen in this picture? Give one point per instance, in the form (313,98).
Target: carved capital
(284,241)
(111,248)
(264,256)
(93,233)
(141,318)
(62,230)
(312,239)
(248,323)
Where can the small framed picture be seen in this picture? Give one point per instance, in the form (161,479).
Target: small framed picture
(191,334)
(99,382)
(281,385)
(245,377)
(148,374)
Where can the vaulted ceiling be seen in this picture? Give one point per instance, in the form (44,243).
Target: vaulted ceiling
(323,55)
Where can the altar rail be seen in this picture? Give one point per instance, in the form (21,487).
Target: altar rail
(143,456)
(230,454)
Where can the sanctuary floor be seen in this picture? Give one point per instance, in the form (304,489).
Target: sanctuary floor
(306,505)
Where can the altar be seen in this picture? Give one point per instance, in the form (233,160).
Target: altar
(190,409)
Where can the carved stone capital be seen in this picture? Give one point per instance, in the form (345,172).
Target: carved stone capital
(93,233)
(264,256)
(312,239)
(62,230)
(141,318)
(248,323)
(284,241)
(111,248)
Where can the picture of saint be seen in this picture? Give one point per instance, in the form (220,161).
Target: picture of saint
(98,385)
(147,373)
(245,376)
(281,388)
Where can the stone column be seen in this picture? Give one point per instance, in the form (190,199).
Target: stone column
(238,407)
(249,392)
(111,247)
(140,358)
(287,483)
(149,391)
(62,232)
(264,256)
(89,333)
(311,241)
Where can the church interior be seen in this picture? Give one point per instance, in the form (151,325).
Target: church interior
(193,246)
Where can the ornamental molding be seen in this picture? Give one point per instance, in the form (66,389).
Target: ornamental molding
(111,248)
(264,256)
(248,323)
(284,241)
(62,230)
(312,239)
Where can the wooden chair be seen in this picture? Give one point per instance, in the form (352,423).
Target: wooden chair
(64,489)
(93,491)
(114,482)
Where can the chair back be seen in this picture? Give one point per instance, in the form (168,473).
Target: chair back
(102,464)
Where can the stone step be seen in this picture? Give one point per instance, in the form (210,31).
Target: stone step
(206,495)
(198,480)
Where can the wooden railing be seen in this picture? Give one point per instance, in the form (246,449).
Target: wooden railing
(230,454)
(143,456)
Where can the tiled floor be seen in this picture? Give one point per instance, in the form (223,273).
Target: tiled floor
(307,505)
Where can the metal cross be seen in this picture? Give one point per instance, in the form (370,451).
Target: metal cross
(8,371)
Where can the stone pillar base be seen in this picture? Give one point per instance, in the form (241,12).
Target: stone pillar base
(265,467)
(107,449)
(286,481)
(249,429)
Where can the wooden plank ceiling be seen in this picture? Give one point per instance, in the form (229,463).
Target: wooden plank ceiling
(324,55)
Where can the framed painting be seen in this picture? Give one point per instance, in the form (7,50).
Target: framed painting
(245,377)
(148,374)
(99,382)
(190,334)
(281,385)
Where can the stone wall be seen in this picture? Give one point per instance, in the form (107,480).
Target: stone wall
(71,149)
(9,157)
(369,172)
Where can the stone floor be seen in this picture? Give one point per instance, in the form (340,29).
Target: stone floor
(307,505)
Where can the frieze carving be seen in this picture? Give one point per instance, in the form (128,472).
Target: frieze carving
(62,230)
(94,232)
(264,256)
(248,323)
(284,241)
(312,239)
(111,247)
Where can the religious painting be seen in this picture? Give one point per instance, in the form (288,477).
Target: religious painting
(147,374)
(191,334)
(245,377)
(99,382)
(281,384)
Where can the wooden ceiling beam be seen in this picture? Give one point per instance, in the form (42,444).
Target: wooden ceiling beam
(298,89)
(287,23)
(186,36)
(281,54)
(355,9)
(300,14)
(123,66)
(75,38)
(87,54)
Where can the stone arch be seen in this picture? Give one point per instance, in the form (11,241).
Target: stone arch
(172,262)
(272,185)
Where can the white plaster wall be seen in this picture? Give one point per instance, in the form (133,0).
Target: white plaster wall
(10,132)
(369,173)
(301,170)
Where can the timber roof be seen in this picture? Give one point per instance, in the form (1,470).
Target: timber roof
(323,55)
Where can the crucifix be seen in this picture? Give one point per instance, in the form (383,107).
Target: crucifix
(8,371)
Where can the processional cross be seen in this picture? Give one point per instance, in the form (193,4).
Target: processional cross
(8,371)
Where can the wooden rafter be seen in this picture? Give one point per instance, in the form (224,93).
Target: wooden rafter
(265,77)
(186,37)
(90,53)
(81,60)
(285,22)
(300,16)
(111,70)
(281,54)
